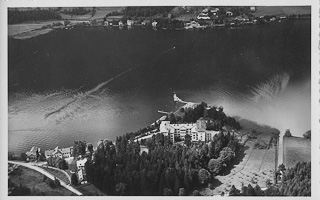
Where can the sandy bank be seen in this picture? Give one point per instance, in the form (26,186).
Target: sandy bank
(15,29)
(31,34)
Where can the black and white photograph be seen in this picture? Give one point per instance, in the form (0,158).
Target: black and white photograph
(208,99)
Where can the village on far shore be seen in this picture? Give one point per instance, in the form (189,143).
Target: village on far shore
(168,18)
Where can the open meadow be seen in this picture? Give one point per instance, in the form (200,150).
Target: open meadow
(295,150)
(34,181)
(252,166)
(281,10)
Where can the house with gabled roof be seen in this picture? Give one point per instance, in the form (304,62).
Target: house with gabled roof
(61,153)
(32,154)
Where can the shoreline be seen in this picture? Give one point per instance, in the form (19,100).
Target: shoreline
(30,29)
(31,34)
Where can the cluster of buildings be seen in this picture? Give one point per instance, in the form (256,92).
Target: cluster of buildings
(61,153)
(75,165)
(198,131)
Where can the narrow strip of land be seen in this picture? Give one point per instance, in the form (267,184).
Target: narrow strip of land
(49,175)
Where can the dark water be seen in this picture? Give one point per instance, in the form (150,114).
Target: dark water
(91,83)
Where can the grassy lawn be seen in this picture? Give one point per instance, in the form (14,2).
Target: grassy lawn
(281,10)
(90,190)
(21,28)
(253,166)
(34,181)
(32,34)
(58,174)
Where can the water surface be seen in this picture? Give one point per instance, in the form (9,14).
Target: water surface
(94,83)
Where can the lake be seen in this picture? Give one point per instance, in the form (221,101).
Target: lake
(92,83)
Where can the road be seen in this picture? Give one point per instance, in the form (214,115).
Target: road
(49,175)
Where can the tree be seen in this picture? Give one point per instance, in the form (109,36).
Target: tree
(203,176)
(307,134)
(214,166)
(63,164)
(234,191)
(57,182)
(79,148)
(90,148)
(182,192)
(187,140)
(23,156)
(226,155)
(38,154)
(74,179)
(258,190)
(121,189)
(196,193)
(167,192)
(281,167)
(287,133)
(250,191)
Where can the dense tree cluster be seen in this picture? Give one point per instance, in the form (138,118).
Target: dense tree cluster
(79,148)
(168,169)
(307,134)
(57,162)
(21,190)
(296,181)
(18,16)
(147,11)
(215,114)
(77,11)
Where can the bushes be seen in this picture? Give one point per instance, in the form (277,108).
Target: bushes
(74,179)
(52,183)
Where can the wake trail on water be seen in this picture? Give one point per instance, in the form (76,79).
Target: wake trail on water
(271,88)
(97,88)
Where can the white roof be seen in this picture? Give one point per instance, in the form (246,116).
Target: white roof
(81,162)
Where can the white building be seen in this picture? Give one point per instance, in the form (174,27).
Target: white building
(252,8)
(130,22)
(197,131)
(62,153)
(229,13)
(81,163)
(154,24)
(203,16)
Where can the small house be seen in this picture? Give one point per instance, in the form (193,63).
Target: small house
(203,16)
(32,154)
(252,8)
(114,20)
(130,22)
(214,11)
(143,149)
(154,24)
(229,13)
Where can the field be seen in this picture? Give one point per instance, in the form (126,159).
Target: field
(31,34)
(34,181)
(90,190)
(21,28)
(281,10)
(58,174)
(15,29)
(252,166)
(296,149)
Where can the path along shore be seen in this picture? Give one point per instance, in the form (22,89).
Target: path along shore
(49,175)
